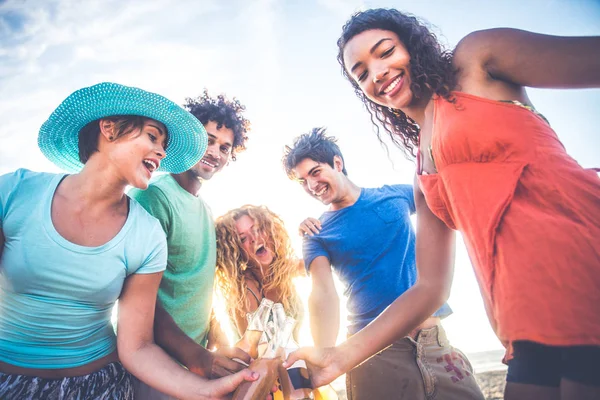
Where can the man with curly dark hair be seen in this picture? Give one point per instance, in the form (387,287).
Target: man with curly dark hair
(183,312)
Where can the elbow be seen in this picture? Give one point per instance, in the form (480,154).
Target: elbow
(127,351)
(437,292)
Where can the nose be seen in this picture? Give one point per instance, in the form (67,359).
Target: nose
(160,152)
(312,184)
(380,74)
(214,152)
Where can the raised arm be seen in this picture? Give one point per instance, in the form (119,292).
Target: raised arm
(435,264)
(147,361)
(531,59)
(323,304)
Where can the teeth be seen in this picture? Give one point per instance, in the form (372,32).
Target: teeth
(320,192)
(207,163)
(151,163)
(392,85)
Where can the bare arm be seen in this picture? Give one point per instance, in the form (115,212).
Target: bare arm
(216,336)
(195,357)
(241,321)
(323,304)
(531,59)
(147,361)
(435,264)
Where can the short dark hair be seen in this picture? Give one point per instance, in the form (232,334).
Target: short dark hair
(223,112)
(124,125)
(315,145)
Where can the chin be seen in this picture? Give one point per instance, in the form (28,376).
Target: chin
(141,185)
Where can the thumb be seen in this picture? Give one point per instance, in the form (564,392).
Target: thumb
(294,356)
(229,383)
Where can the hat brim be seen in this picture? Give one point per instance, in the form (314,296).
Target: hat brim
(59,135)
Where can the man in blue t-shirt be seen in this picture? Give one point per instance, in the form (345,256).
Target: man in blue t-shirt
(367,238)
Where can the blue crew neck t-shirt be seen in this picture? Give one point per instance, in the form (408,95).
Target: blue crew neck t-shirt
(371,247)
(56,297)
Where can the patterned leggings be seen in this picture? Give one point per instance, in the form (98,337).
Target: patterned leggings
(112,382)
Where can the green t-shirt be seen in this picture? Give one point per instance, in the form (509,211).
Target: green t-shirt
(186,288)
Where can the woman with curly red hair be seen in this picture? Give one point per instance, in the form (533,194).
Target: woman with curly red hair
(255,260)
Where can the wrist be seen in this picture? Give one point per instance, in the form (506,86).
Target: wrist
(343,357)
(200,362)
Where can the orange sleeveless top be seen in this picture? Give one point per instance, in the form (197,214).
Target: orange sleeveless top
(529,215)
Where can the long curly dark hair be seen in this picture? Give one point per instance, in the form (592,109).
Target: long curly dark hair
(224,112)
(431,70)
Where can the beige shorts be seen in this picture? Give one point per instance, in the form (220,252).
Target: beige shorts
(422,369)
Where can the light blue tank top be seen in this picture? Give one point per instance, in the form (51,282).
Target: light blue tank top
(56,297)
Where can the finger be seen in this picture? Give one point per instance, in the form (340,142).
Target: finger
(219,372)
(315,222)
(234,352)
(294,356)
(304,229)
(232,365)
(228,384)
(314,229)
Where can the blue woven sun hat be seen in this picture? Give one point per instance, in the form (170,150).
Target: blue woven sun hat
(59,135)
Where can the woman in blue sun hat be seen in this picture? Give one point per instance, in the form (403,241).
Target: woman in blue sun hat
(72,244)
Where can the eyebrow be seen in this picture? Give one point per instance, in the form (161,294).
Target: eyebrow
(157,128)
(358,64)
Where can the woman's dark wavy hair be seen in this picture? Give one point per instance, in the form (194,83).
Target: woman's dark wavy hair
(431,69)
(224,112)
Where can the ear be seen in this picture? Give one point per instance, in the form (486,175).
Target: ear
(107,128)
(338,163)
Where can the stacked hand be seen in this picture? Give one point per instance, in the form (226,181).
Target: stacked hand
(322,363)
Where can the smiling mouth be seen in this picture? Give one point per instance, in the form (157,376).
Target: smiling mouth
(206,162)
(150,165)
(321,191)
(393,84)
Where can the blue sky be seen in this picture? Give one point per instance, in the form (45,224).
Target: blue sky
(279,59)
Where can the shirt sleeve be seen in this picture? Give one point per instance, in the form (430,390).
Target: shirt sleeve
(312,247)
(156,250)
(155,202)
(408,192)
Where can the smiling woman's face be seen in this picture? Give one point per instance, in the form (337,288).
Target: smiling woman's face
(379,63)
(254,243)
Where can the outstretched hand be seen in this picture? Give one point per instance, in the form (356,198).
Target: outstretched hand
(322,364)
(222,388)
(310,227)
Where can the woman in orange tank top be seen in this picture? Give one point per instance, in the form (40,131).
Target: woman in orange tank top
(492,168)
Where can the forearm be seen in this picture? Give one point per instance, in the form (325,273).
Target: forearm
(179,345)
(324,312)
(398,320)
(216,336)
(153,366)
